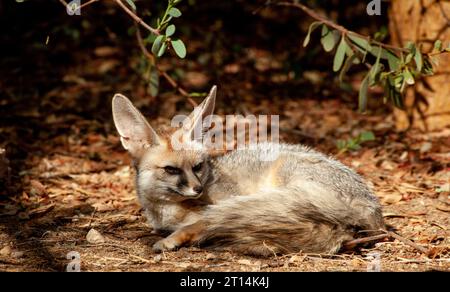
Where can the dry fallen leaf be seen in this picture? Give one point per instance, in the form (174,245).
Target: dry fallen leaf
(37,188)
(388,199)
(5,251)
(41,210)
(244,262)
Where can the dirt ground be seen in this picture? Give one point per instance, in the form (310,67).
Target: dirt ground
(69,173)
(83,181)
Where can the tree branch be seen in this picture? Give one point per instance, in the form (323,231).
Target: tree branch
(338,27)
(81,6)
(125,8)
(137,18)
(169,79)
(88,3)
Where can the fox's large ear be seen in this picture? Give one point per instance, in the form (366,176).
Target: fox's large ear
(135,132)
(199,120)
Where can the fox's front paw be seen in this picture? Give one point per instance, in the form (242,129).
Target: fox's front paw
(166,244)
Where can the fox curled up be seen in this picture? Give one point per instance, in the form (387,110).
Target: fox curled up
(301,200)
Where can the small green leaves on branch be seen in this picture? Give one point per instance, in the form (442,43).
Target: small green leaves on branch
(389,66)
(328,39)
(393,69)
(174,12)
(164,41)
(170,30)
(312,27)
(340,55)
(179,48)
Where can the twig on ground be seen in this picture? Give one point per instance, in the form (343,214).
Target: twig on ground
(92,218)
(352,243)
(140,258)
(271,249)
(407,261)
(407,241)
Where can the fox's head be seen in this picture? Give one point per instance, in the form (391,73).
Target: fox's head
(165,171)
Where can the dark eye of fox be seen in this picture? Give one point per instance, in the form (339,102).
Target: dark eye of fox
(172,170)
(198,167)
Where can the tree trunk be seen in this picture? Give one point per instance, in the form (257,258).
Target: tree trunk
(424,21)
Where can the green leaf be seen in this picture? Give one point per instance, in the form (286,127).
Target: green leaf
(419,60)
(157,44)
(366,136)
(393,93)
(384,53)
(398,81)
(362,98)
(179,47)
(347,65)
(438,45)
(328,39)
(174,12)
(376,68)
(170,30)
(340,55)
(409,58)
(312,27)
(362,44)
(411,46)
(394,62)
(153,85)
(162,50)
(428,67)
(409,78)
(341,144)
(131,3)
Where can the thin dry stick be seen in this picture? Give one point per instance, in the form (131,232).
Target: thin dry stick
(92,217)
(126,9)
(81,6)
(169,79)
(139,258)
(407,241)
(137,18)
(88,3)
(352,243)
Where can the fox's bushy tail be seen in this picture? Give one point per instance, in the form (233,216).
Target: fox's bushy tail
(288,221)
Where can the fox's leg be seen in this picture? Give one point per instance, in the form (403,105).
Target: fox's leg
(183,236)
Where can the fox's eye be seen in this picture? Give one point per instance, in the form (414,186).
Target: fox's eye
(172,170)
(198,167)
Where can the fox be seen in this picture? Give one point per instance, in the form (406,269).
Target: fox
(299,201)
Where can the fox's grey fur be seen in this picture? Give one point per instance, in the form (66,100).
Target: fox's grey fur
(300,201)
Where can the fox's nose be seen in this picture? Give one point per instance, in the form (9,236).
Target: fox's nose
(197,189)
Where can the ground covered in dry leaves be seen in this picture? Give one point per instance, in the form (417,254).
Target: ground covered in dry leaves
(83,181)
(71,184)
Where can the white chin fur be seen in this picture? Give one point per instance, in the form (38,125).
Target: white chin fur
(191,194)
